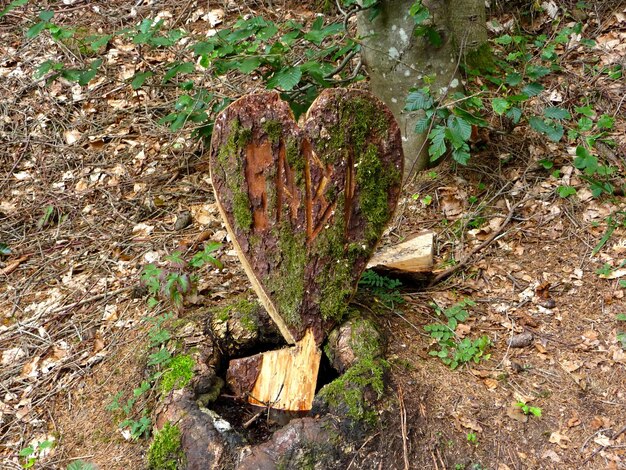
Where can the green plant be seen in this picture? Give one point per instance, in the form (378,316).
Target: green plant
(382,288)
(165,452)
(451,350)
(529,410)
(174,282)
(472,438)
(29,455)
(613,221)
(5,250)
(81,465)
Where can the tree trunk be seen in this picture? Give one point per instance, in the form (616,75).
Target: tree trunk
(305,206)
(398,60)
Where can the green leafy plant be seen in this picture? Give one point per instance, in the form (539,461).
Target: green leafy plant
(81,465)
(174,281)
(529,410)
(472,438)
(29,455)
(451,350)
(12,6)
(382,288)
(5,250)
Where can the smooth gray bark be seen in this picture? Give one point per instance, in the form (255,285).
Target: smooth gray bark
(398,60)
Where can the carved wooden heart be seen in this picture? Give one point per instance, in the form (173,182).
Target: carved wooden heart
(305,205)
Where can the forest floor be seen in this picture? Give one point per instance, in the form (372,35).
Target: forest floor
(91,188)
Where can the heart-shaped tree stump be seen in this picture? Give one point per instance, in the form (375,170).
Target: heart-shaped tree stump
(305,206)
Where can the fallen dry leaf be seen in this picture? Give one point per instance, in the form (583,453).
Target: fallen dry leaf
(515,412)
(491,384)
(559,439)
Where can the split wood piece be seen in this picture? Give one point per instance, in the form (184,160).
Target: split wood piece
(305,205)
(413,256)
(284,379)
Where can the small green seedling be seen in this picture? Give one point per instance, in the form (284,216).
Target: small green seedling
(529,410)
(472,438)
(30,454)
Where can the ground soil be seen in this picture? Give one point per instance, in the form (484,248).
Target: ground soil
(90,191)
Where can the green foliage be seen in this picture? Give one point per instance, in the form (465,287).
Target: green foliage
(173,282)
(451,350)
(5,250)
(382,288)
(529,410)
(81,465)
(449,130)
(166,451)
(12,6)
(29,455)
(254,45)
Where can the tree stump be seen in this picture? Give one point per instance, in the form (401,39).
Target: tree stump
(305,206)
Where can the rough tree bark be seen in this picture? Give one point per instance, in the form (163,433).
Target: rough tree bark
(398,60)
(305,206)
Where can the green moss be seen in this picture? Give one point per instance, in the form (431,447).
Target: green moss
(166,451)
(288,282)
(241,209)
(295,160)
(367,373)
(179,373)
(274,130)
(480,59)
(375,182)
(244,308)
(230,157)
(358,118)
(365,339)
(348,390)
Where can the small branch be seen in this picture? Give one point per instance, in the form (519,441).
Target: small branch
(601,448)
(405,449)
(465,261)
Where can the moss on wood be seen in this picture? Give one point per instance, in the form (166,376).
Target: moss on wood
(375,181)
(166,452)
(288,283)
(231,157)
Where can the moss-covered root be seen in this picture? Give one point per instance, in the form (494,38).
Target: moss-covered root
(355,348)
(166,452)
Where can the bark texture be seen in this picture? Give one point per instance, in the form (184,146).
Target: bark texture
(306,205)
(398,60)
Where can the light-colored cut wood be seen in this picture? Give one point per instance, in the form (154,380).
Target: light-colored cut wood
(414,255)
(285,379)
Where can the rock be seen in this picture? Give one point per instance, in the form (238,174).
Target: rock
(354,340)
(303,443)
(183,220)
(520,341)
(204,446)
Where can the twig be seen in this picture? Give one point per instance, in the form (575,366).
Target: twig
(448,272)
(601,448)
(361,448)
(405,450)
(94,298)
